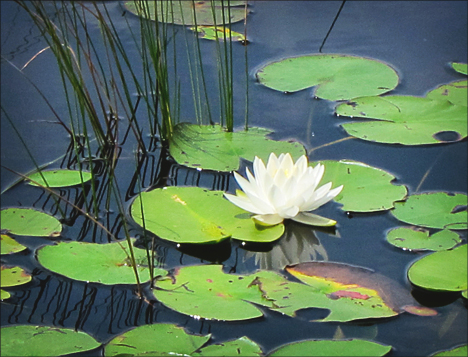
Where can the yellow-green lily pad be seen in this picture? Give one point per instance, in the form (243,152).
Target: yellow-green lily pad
(218,33)
(460,67)
(9,245)
(30,222)
(13,276)
(59,178)
(455,92)
(419,239)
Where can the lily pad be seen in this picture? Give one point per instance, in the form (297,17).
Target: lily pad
(351,347)
(240,347)
(59,178)
(455,92)
(441,271)
(28,340)
(13,276)
(419,239)
(182,12)
(97,263)
(4,294)
(9,245)
(197,215)
(337,77)
(405,120)
(211,147)
(365,188)
(29,222)
(434,210)
(460,67)
(360,290)
(155,340)
(218,33)
(461,351)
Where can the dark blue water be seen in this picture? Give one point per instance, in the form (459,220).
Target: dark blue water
(418,39)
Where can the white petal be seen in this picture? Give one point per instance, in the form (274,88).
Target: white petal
(287,164)
(267,219)
(243,203)
(314,220)
(289,212)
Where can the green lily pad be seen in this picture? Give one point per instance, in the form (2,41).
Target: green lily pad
(419,239)
(155,340)
(59,178)
(96,263)
(197,215)
(455,92)
(28,340)
(13,276)
(460,67)
(240,347)
(434,210)
(29,222)
(351,347)
(337,77)
(405,120)
(365,188)
(4,294)
(181,12)
(441,271)
(9,245)
(218,33)
(211,147)
(461,351)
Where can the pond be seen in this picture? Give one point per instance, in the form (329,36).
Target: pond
(419,40)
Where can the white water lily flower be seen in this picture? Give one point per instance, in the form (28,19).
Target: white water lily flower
(284,190)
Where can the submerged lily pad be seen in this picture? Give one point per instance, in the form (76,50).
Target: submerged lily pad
(460,67)
(13,276)
(351,347)
(337,77)
(419,239)
(365,188)
(59,178)
(455,92)
(155,340)
(98,263)
(29,222)
(28,340)
(218,33)
(197,215)
(182,12)
(211,147)
(9,245)
(405,120)
(434,210)
(441,271)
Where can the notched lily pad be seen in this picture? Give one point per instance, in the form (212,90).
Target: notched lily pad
(28,340)
(182,12)
(441,271)
(351,347)
(59,178)
(365,188)
(98,263)
(30,222)
(211,147)
(197,215)
(10,246)
(337,77)
(418,239)
(434,210)
(405,120)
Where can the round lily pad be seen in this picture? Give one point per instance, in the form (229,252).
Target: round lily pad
(197,215)
(59,178)
(155,340)
(441,271)
(405,120)
(242,346)
(434,210)
(13,276)
(30,222)
(28,340)
(455,92)
(351,347)
(365,188)
(419,239)
(9,245)
(211,147)
(182,12)
(337,77)
(98,263)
